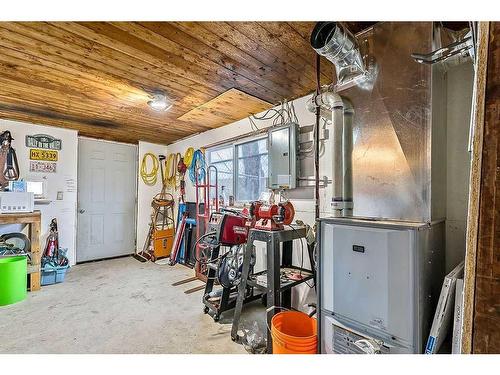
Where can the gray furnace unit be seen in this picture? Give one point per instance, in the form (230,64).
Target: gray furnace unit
(378,284)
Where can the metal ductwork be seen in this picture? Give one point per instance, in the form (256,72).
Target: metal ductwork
(333,41)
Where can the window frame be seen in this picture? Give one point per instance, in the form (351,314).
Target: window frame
(236,171)
(217,148)
(234,146)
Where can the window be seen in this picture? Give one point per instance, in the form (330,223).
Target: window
(222,159)
(241,167)
(252,170)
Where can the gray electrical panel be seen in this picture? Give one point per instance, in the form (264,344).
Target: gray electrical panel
(283,146)
(378,282)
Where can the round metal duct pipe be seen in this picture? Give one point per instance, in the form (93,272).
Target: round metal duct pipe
(333,41)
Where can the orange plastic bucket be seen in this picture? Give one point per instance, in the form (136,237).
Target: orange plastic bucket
(294,332)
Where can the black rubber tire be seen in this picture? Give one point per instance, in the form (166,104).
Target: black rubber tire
(205,310)
(216,318)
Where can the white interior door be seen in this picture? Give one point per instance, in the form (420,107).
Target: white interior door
(107,179)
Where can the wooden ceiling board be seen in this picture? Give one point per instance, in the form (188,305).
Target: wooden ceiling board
(18,79)
(96,77)
(211,69)
(112,73)
(230,106)
(251,47)
(220,52)
(267,41)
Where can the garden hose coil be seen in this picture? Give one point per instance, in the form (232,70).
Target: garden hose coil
(197,162)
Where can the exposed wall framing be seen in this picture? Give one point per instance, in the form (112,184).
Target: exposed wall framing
(475,185)
(486,324)
(481,327)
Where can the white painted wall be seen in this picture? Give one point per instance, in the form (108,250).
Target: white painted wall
(301,197)
(64,210)
(145,193)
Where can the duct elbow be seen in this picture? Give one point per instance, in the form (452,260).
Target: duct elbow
(326,100)
(330,100)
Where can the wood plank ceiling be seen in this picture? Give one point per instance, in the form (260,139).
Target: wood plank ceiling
(96,77)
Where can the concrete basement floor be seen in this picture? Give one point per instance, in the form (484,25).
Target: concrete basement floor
(119,306)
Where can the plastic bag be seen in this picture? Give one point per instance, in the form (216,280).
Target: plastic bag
(254,339)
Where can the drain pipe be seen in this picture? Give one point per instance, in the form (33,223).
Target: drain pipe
(338,156)
(347,146)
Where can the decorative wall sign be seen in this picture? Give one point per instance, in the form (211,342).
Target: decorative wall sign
(44,141)
(43,167)
(47,155)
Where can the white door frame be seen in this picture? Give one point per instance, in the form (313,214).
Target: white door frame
(136,146)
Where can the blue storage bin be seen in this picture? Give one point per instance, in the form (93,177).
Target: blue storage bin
(53,275)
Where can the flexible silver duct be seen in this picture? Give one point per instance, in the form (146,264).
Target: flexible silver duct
(333,41)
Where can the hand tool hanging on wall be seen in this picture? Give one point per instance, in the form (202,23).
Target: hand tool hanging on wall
(8,160)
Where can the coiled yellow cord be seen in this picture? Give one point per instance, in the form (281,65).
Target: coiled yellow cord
(151,177)
(188,156)
(171,170)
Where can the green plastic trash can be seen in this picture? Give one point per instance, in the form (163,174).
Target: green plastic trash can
(13,279)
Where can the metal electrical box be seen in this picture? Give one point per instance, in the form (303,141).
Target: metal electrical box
(283,146)
(378,282)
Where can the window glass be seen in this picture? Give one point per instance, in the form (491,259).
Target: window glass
(222,159)
(252,170)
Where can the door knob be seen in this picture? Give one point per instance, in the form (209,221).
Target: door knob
(81,211)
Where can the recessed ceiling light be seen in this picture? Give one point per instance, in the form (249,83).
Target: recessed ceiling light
(160,102)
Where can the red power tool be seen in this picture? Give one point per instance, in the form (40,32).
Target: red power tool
(228,228)
(271,216)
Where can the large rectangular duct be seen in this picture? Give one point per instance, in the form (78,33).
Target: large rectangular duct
(392,126)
